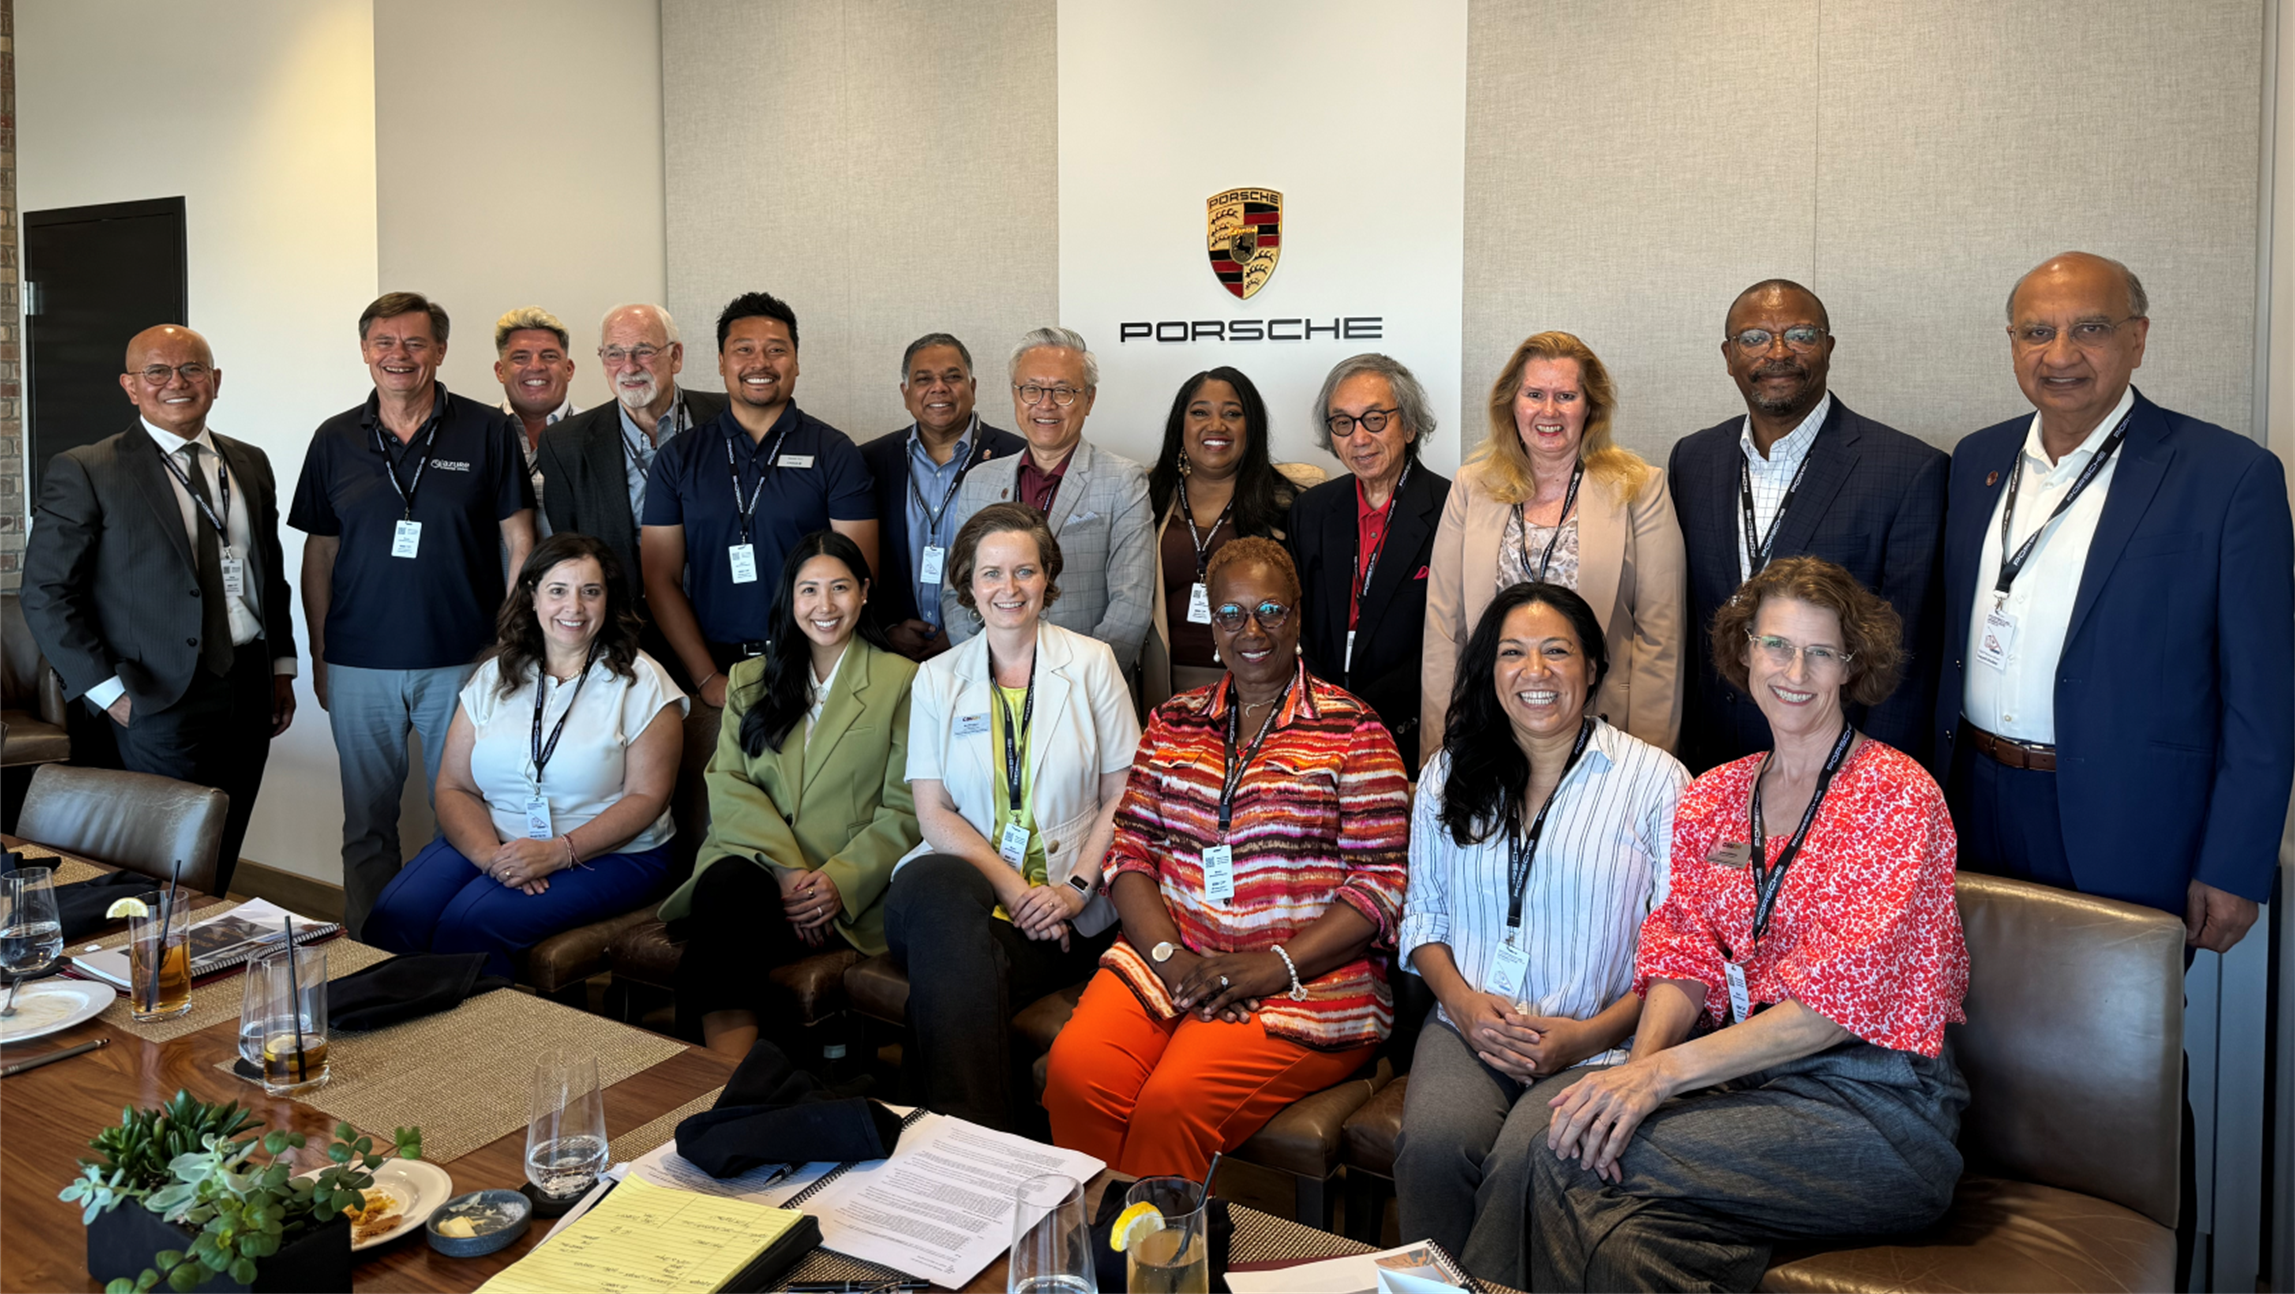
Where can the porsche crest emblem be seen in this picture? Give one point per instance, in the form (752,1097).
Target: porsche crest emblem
(1246,230)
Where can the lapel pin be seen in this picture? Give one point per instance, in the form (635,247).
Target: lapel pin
(1991,479)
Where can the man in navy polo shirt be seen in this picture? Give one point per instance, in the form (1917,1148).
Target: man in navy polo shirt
(409,501)
(729,498)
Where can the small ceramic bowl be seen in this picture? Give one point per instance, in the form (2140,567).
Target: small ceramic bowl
(499,1218)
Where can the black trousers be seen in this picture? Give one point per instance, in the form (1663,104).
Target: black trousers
(968,973)
(218,733)
(735,936)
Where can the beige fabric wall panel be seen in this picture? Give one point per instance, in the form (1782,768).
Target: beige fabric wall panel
(1963,141)
(885,168)
(1630,167)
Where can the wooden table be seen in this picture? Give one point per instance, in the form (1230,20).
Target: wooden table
(48,1115)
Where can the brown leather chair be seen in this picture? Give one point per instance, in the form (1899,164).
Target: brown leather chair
(31,695)
(134,821)
(644,960)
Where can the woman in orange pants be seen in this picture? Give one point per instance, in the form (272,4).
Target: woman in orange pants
(1259,856)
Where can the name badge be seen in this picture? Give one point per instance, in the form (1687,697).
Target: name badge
(1219,874)
(795,460)
(1740,1001)
(405,539)
(928,564)
(1012,847)
(971,725)
(744,563)
(234,575)
(1347,664)
(1509,968)
(1198,604)
(538,818)
(1999,635)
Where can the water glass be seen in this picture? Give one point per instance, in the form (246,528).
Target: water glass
(1177,1259)
(159,957)
(31,938)
(566,1133)
(1051,1239)
(283,1019)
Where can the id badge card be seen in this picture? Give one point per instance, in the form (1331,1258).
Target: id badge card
(795,460)
(1999,636)
(538,818)
(1219,874)
(1508,968)
(234,574)
(1198,604)
(1740,1002)
(1012,847)
(1347,664)
(405,539)
(971,725)
(929,563)
(744,558)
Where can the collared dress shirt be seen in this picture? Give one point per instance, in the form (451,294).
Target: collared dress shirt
(1038,488)
(933,486)
(638,448)
(531,447)
(2019,699)
(246,618)
(1773,475)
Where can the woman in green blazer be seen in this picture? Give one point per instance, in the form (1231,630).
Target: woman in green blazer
(809,804)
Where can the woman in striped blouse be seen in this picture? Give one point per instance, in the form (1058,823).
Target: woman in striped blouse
(1539,842)
(1259,856)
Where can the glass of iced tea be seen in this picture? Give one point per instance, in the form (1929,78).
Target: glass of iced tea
(283,1018)
(159,957)
(1177,1258)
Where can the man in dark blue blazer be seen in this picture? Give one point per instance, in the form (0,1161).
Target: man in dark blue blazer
(1817,479)
(917,472)
(2117,709)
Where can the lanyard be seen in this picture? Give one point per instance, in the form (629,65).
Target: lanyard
(1049,495)
(422,460)
(222,475)
(541,751)
(1369,566)
(1522,519)
(1231,773)
(1521,849)
(1014,750)
(1202,542)
(1757,548)
(2012,564)
(745,510)
(933,516)
(1769,882)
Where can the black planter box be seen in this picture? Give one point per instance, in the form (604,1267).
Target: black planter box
(123,1241)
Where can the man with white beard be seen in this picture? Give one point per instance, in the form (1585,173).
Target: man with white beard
(595,463)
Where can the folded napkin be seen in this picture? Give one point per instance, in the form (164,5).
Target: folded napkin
(407,987)
(80,906)
(772,1112)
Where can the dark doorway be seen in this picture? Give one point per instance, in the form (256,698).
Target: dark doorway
(93,277)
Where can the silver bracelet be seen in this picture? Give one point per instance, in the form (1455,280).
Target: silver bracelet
(1298,990)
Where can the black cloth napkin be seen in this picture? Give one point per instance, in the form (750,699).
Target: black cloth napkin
(80,906)
(407,987)
(772,1112)
(1114,1275)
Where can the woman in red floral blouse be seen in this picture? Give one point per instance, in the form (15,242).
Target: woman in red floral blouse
(1789,1077)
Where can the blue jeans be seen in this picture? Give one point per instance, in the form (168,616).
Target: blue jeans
(371,711)
(442,903)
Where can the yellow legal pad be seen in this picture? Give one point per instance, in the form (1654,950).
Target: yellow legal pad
(645,1237)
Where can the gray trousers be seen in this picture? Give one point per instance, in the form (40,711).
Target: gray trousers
(371,712)
(1857,1140)
(1462,1163)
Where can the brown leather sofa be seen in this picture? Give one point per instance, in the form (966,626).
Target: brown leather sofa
(134,821)
(31,695)
(2073,1052)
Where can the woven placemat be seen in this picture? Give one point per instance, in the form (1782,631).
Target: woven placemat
(1266,1238)
(462,1075)
(647,1137)
(69,871)
(216,1001)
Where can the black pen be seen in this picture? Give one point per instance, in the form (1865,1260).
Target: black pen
(52,1057)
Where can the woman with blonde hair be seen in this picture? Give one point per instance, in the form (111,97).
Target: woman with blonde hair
(1551,497)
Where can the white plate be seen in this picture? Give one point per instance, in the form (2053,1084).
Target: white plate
(418,1185)
(54,1004)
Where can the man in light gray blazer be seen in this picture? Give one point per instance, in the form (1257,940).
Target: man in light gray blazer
(1097,502)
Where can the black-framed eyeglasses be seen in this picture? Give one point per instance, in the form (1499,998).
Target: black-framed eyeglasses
(162,374)
(1342,425)
(2088,334)
(1800,337)
(1034,394)
(614,356)
(1229,616)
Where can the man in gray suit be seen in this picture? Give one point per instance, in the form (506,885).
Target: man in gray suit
(196,685)
(1097,502)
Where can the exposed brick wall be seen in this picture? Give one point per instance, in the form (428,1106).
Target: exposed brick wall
(12,476)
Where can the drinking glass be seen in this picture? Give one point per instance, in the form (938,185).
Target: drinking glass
(159,957)
(283,1019)
(1177,1259)
(1051,1239)
(566,1133)
(31,938)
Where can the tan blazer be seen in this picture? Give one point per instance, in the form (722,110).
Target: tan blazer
(1631,570)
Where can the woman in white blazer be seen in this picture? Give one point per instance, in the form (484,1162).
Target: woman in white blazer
(1020,741)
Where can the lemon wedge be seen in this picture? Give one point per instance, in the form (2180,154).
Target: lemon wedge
(126,908)
(1141,1219)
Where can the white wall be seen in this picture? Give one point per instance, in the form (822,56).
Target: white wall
(261,114)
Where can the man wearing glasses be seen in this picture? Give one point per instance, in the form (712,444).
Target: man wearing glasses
(1095,501)
(196,685)
(595,464)
(1800,473)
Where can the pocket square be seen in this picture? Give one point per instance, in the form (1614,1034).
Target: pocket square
(1421,574)
(1082,517)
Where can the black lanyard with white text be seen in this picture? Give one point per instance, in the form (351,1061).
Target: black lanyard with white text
(1757,547)
(422,460)
(1231,773)
(933,516)
(1522,847)
(741,510)
(2012,564)
(541,751)
(1202,541)
(1522,519)
(198,499)
(1769,882)
(1014,764)
(1369,566)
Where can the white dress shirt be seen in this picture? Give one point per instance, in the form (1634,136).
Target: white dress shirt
(1602,865)
(531,447)
(819,690)
(1773,475)
(587,772)
(244,612)
(2019,699)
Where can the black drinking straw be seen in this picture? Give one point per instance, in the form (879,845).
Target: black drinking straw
(295,1001)
(159,954)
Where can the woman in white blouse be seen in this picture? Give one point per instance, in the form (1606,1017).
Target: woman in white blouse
(553,794)
(1020,742)
(1538,843)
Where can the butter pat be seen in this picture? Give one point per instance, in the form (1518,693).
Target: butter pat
(459,1228)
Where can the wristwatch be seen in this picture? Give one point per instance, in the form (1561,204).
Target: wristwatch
(1080,886)
(1162,952)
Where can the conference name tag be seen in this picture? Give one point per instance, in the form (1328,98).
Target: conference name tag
(1012,847)
(971,725)
(1347,665)
(1219,874)
(744,563)
(1198,604)
(1509,967)
(234,575)
(1740,1001)
(1999,636)
(795,460)
(405,539)
(538,818)
(928,565)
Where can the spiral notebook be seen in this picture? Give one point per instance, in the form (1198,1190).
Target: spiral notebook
(218,943)
(828,1179)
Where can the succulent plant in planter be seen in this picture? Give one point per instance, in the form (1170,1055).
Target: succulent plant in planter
(186,1163)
